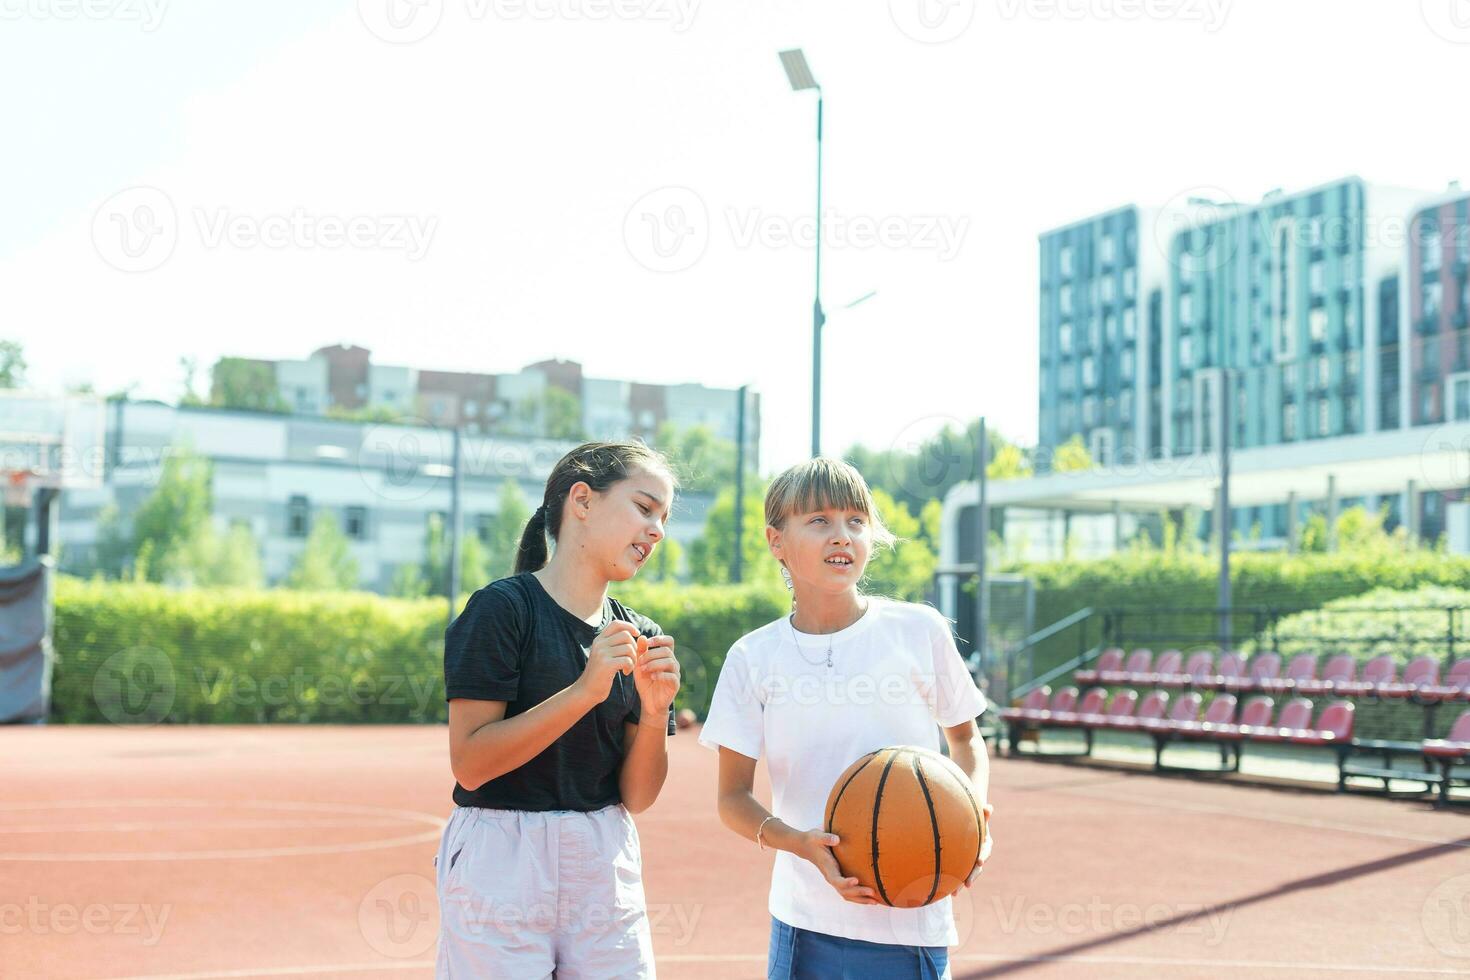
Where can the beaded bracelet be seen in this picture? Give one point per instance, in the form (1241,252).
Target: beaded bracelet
(761,829)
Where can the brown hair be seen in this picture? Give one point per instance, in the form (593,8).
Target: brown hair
(598,464)
(819,484)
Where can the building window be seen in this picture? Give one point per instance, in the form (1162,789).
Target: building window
(436,408)
(1089,412)
(1110,328)
(1186,352)
(1130,323)
(1288,422)
(1186,310)
(1101,448)
(1089,373)
(1433,294)
(1126,365)
(1324,417)
(1426,403)
(1317,324)
(1282,270)
(645,419)
(355,523)
(1108,250)
(1183,395)
(1351,363)
(1324,372)
(1107,289)
(1066,265)
(298,517)
(1318,278)
(484,527)
(1125,406)
(1130,283)
(1064,300)
(1430,245)
(471,407)
(1461,388)
(1094,333)
(1064,338)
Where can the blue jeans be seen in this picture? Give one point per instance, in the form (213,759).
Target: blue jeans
(799,954)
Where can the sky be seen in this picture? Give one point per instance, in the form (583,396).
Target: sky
(476,185)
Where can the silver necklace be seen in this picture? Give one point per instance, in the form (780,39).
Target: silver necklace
(791,622)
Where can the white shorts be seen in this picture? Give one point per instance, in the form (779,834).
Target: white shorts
(529,894)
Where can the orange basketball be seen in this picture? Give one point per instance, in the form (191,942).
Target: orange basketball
(908,825)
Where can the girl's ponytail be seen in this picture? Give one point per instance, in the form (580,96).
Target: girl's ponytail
(531,555)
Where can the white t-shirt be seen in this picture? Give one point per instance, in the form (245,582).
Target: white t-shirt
(895,677)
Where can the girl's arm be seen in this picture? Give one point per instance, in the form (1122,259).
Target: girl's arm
(744,814)
(967,750)
(646,753)
(646,763)
(484,744)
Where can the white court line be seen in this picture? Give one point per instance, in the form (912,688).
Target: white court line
(1266,818)
(69,828)
(409,816)
(288,971)
(1160,961)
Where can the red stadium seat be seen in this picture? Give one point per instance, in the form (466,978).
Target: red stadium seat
(1168,668)
(1264,668)
(1153,708)
(1230,673)
(1091,704)
(1255,715)
(1380,677)
(1221,712)
(1422,672)
(1456,746)
(1295,718)
(1200,668)
(1302,669)
(1339,676)
(1120,707)
(1034,702)
(1136,666)
(1110,659)
(1456,685)
(1185,709)
(1334,726)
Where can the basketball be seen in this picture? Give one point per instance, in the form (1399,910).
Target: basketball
(908,825)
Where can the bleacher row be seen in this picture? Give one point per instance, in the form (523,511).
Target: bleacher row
(1263,673)
(1180,721)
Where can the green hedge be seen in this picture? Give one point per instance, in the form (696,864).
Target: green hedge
(146,654)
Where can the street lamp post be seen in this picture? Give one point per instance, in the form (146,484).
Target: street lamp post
(800,76)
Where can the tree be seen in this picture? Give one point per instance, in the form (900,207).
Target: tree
(12,364)
(190,367)
(473,571)
(664,564)
(325,562)
(1071,457)
(505,530)
(553,413)
(242,383)
(702,460)
(171,517)
(711,553)
(930,469)
(906,570)
(408,582)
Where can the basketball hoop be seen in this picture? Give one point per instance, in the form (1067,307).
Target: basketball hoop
(18,488)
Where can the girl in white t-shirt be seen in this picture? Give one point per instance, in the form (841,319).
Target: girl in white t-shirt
(812,692)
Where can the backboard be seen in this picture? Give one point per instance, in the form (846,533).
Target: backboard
(53,441)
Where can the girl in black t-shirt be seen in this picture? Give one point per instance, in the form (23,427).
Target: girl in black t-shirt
(559,703)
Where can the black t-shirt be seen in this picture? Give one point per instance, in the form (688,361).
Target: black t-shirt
(514,643)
